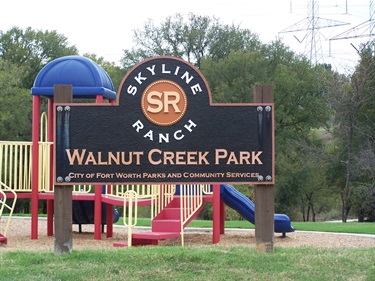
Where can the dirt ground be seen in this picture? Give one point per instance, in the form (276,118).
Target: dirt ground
(20,230)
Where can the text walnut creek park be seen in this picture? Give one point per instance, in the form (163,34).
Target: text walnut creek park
(159,157)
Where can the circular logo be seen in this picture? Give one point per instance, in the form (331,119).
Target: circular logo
(164,103)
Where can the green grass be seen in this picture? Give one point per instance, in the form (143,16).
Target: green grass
(192,263)
(348,227)
(213,262)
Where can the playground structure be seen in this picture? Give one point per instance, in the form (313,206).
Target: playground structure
(26,171)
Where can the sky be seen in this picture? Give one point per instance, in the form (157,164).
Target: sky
(105,28)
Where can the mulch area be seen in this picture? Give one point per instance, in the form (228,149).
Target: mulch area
(19,234)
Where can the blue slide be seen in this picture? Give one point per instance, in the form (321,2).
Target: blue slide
(245,207)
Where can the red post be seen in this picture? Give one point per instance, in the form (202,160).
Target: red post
(98,199)
(216,214)
(222,217)
(35,166)
(109,218)
(98,212)
(99,99)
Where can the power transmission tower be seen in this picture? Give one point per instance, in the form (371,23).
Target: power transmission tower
(312,24)
(365,29)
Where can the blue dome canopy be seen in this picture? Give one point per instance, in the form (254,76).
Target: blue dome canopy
(87,78)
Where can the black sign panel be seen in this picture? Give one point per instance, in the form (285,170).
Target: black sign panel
(164,128)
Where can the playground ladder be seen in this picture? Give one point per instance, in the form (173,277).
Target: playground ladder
(4,205)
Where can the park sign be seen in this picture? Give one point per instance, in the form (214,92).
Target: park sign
(164,128)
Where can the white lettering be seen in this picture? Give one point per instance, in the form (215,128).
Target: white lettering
(163,69)
(138,125)
(132,90)
(196,88)
(151,69)
(139,78)
(187,77)
(149,135)
(190,125)
(178,135)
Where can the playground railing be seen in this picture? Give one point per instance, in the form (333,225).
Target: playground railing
(77,189)
(207,189)
(165,194)
(44,174)
(191,199)
(4,205)
(15,165)
(83,188)
(143,191)
(159,195)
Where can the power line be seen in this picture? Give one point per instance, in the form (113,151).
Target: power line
(365,29)
(311,29)
(312,24)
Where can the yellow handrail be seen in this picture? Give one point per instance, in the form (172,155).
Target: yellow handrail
(44,166)
(3,189)
(44,156)
(43,127)
(191,199)
(131,198)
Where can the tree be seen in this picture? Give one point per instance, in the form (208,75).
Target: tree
(233,78)
(353,104)
(31,49)
(15,104)
(199,37)
(364,160)
(116,73)
(22,55)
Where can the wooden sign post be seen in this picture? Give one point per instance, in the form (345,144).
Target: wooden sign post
(63,193)
(264,194)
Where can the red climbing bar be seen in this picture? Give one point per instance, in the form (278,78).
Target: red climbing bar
(216,214)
